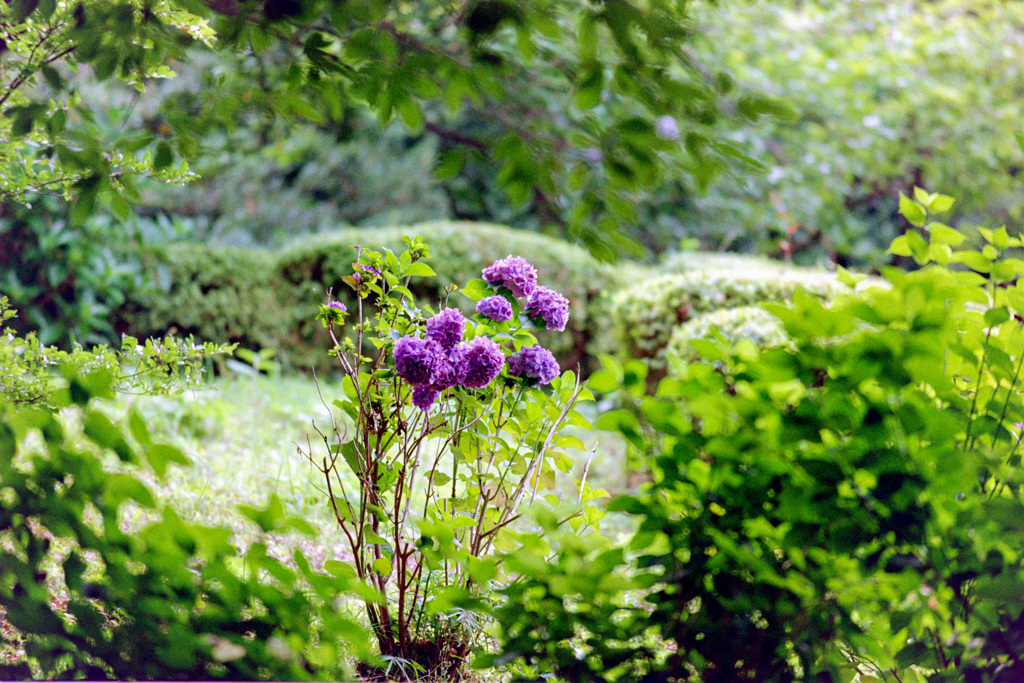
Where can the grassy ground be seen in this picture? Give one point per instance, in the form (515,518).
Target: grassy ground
(244,435)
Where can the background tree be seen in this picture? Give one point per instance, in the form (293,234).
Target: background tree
(576,106)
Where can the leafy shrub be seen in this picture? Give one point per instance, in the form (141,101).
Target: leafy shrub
(647,314)
(259,299)
(849,506)
(448,446)
(65,278)
(220,294)
(81,598)
(28,368)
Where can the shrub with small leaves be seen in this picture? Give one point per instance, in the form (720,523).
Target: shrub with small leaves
(646,315)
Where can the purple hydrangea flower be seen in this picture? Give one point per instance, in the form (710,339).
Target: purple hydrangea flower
(449,370)
(534,362)
(415,359)
(496,308)
(483,359)
(446,327)
(424,396)
(513,272)
(338,305)
(549,305)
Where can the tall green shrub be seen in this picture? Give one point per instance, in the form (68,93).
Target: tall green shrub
(850,506)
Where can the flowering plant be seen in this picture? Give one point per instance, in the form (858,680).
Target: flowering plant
(451,429)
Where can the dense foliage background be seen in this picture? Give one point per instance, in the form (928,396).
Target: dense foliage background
(814,476)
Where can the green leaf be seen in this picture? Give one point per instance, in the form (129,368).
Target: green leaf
(161,455)
(900,246)
(754,106)
(940,204)
(138,427)
(973,260)
(450,163)
(1004,589)
(912,211)
(121,487)
(996,316)
(105,433)
(419,269)
(410,112)
(51,76)
(164,156)
(462,521)
(588,92)
(382,566)
(943,234)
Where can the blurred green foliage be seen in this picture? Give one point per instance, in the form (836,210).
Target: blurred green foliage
(889,95)
(81,598)
(557,101)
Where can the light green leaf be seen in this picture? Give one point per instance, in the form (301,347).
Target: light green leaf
(912,211)
(419,269)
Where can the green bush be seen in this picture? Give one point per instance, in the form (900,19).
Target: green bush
(81,598)
(228,295)
(64,276)
(646,315)
(458,253)
(848,507)
(731,325)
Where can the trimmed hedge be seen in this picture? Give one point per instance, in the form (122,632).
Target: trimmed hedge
(685,261)
(647,315)
(264,300)
(261,299)
(227,295)
(752,323)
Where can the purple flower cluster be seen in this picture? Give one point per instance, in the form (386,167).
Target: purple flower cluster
(496,308)
(534,362)
(415,360)
(483,359)
(549,305)
(515,273)
(339,306)
(446,328)
(520,277)
(442,361)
